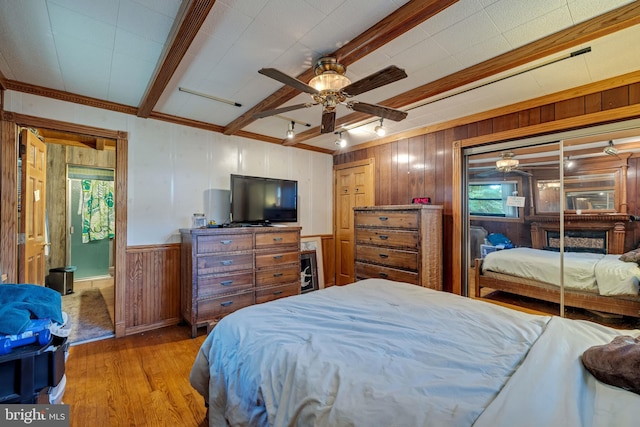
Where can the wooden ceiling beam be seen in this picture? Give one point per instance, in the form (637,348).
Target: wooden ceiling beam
(584,32)
(3,82)
(397,23)
(185,28)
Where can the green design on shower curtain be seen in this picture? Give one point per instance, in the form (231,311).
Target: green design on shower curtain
(98,213)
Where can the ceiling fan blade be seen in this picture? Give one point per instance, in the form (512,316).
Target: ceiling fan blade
(378,110)
(268,113)
(328,122)
(288,80)
(375,80)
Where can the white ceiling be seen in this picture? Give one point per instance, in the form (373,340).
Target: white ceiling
(109,50)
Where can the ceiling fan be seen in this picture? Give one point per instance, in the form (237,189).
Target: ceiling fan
(331,87)
(508,163)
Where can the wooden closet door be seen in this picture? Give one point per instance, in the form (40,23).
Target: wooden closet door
(353,186)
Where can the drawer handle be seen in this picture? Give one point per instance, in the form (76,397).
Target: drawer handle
(226,242)
(226,262)
(277,239)
(383,256)
(226,282)
(383,237)
(226,303)
(277,292)
(277,257)
(383,218)
(383,275)
(278,274)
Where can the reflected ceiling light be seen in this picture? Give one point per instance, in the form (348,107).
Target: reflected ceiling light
(380,130)
(341,141)
(290,132)
(610,149)
(507,163)
(568,163)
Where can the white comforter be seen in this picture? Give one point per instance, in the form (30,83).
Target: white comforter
(603,274)
(375,353)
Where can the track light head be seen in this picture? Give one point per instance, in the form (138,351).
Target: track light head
(610,149)
(291,133)
(380,130)
(341,141)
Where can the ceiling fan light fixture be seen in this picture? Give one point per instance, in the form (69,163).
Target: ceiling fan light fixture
(329,81)
(380,130)
(507,163)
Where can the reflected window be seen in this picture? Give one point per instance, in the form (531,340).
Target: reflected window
(489,199)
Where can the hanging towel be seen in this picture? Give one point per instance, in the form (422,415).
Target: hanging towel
(98,213)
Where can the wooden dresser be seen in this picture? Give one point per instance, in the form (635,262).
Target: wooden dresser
(401,242)
(225,269)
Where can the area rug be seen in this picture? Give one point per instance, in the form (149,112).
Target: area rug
(88,315)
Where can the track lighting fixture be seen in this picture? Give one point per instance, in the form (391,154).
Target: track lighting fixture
(341,141)
(291,133)
(610,149)
(380,130)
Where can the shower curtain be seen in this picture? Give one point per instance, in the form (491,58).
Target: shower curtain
(97,210)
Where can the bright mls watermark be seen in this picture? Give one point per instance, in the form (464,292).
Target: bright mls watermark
(34,415)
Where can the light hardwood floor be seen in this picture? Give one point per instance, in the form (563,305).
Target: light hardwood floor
(140,380)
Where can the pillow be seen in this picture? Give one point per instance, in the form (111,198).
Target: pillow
(616,363)
(631,256)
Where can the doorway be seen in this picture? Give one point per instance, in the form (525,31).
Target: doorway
(9,264)
(90,215)
(81,224)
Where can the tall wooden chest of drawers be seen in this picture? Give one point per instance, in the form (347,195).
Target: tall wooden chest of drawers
(401,242)
(225,269)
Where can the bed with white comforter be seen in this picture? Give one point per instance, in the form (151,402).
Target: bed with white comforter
(591,272)
(383,353)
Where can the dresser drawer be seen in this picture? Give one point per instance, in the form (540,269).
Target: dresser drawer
(391,238)
(275,239)
(275,292)
(224,243)
(278,276)
(224,263)
(273,259)
(409,220)
(406,260)
(211,285)
(370,271)
(211,308)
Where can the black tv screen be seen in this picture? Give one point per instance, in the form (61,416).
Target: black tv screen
(257,200)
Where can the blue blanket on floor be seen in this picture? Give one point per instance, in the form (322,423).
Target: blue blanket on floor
(21,303)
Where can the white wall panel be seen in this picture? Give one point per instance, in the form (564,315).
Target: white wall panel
(173,168)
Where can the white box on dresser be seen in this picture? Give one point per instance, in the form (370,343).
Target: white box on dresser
(399,242)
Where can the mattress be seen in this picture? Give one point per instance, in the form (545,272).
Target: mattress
(378,352)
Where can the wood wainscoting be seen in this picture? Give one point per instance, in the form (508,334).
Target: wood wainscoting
(153,287)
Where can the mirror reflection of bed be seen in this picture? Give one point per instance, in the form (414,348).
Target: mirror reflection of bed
(598,284)
(598,195)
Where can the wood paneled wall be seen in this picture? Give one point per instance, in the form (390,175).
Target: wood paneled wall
(422,165)
(153,287)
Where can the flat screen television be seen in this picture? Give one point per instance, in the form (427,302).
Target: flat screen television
(258,200)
